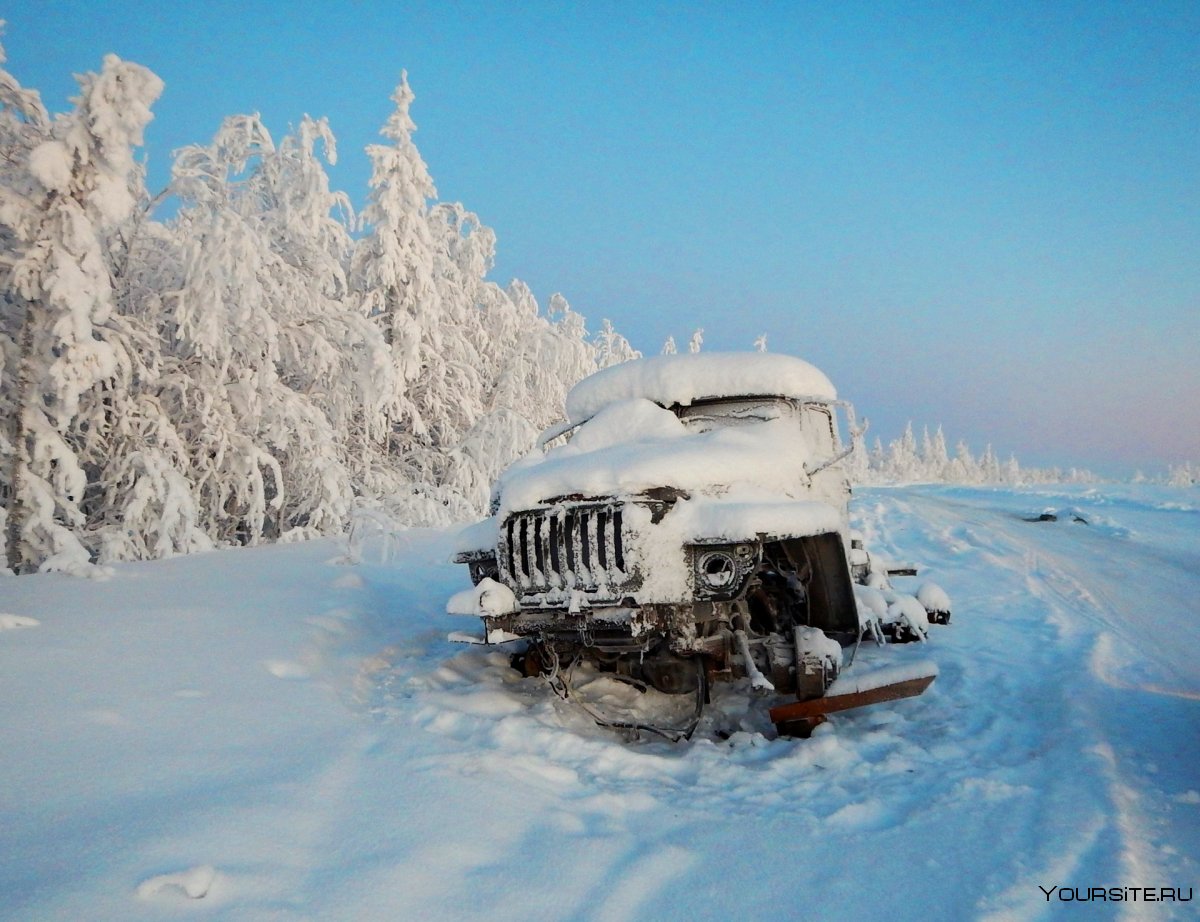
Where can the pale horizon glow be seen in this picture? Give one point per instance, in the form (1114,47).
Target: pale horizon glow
(985,217)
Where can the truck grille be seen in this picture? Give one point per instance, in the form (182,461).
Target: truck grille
(568,548)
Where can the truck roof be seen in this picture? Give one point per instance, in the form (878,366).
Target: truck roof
(671,380)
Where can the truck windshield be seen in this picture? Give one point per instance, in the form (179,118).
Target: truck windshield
(701,417)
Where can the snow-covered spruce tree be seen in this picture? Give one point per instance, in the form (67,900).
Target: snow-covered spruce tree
(668,347)
(399,278)
(74,359)
(393,270)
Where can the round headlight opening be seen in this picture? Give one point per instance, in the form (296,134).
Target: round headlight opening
(718,570)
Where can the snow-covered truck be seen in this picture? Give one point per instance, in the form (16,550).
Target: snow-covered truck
(688,524)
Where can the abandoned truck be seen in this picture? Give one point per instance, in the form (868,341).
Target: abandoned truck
(688,524)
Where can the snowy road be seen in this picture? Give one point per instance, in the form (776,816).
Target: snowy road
(265,734)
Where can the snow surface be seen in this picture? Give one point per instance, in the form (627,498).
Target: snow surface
(683,379)
(247,734)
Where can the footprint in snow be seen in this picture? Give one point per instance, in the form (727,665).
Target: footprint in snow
(192,884)
(285,669)
(12,622)
(348,581)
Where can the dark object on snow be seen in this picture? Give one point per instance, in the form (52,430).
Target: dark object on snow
(1051,517)
(802,717)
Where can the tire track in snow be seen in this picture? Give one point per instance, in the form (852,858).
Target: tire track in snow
(1087,613)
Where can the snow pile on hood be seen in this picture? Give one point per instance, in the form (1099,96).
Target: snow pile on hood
(683,379)
(743,519)
(634,446)
(625,421)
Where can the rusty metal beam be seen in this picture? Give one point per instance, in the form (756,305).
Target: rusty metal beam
(819,707)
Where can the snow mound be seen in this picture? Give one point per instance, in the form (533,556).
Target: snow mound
(12,622)
(683,379)
(933,597)
(50,164)
(488,598)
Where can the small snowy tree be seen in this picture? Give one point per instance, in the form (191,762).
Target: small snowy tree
(939,457)
(668,347)
(611,347)
(964,468)
(859,461)
(1012,471)
(1183,475)
(696,341)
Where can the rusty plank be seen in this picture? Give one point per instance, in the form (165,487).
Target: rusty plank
(817,707)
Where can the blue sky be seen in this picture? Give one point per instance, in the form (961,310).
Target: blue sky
(983,215)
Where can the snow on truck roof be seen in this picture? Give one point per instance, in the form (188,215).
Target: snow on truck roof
(684,379)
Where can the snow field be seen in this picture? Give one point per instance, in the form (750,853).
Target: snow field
(264,734)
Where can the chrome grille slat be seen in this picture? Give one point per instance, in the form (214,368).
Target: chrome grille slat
(602,554)
(538,561)
(569,526)
(618,540)
(567,548)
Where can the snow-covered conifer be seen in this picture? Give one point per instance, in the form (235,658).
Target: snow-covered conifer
(989,466)
(75,362)
(939,458)
(964,468)
(903,464)
(611,347)
(393,270)
(860,460)
(1012,471)
(24,125)
(271,366)
(668,347)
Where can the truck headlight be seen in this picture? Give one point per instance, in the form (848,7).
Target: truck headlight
(717,570)
(721,571)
